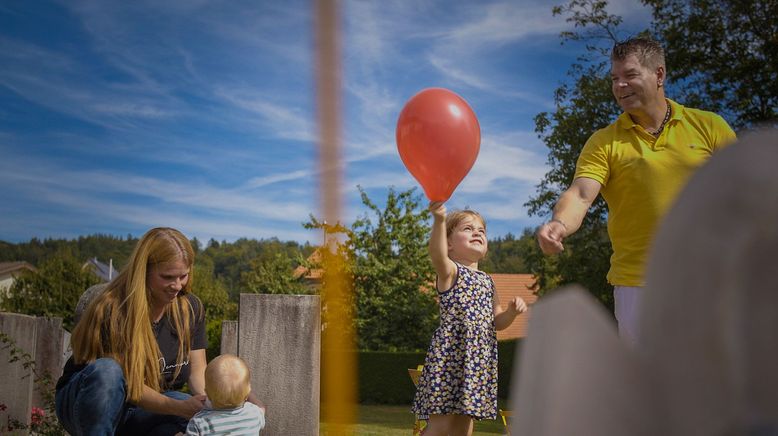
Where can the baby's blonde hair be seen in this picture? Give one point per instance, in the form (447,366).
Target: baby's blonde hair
(455,217)
(227,381)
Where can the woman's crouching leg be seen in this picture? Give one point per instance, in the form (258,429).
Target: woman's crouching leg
(93,400)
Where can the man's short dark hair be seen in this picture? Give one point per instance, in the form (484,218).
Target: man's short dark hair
(649,52)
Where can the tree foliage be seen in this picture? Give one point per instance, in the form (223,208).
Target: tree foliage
(103,247)
(394,297)
(508,254)
(53,290)
(232,260)
(271,273)
(582,107)
(722,55)
(384,252)
(216,301)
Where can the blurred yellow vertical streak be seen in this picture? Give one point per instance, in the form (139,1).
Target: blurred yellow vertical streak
(339,378)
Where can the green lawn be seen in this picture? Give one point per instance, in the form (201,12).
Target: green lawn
(382,420)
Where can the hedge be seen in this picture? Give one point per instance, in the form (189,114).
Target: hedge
(383,376)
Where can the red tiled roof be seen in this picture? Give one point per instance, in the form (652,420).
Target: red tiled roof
(310,273)
(509,286)
(11,267)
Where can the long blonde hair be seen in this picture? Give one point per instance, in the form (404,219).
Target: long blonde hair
(117,323)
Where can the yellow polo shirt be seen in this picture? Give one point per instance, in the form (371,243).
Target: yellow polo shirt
(642,175)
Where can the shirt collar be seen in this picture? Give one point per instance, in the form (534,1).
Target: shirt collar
(625,121)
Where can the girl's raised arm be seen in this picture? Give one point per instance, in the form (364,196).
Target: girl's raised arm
(444,266)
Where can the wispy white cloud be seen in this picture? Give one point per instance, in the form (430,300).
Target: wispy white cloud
(95,186)
(259,182)
(286,122)
(502,22)
(107,217)
(449,67)
(506,157)
(382,179)
(201,113)
(503,179)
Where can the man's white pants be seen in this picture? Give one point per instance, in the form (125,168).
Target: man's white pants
(627,307)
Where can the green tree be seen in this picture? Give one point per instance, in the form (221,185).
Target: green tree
(232,260)
(272,274)
(582,107)
(722,55)
(53,290)
(216,301)
(507,254)
(103,247)
(394,296)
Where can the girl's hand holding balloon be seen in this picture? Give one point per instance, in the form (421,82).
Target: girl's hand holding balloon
(438,209)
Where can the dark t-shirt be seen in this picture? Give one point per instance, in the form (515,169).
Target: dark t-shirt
(167,339)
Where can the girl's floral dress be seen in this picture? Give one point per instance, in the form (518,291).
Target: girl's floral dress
(460,371)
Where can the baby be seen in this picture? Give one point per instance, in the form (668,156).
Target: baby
(227,384)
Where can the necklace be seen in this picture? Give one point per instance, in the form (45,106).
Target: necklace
(661,126)
(155,326)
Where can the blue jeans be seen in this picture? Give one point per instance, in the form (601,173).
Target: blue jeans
(93,403)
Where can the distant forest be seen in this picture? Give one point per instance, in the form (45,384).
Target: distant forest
(229,259)
(224,270)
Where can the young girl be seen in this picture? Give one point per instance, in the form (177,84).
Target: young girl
(459,379)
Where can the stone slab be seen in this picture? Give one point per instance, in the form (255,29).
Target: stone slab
(280,339)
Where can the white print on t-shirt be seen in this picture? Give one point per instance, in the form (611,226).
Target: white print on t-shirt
(170,368)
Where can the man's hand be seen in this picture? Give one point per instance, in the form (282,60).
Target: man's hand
(550,236)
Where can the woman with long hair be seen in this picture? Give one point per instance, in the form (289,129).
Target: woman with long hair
(136,345)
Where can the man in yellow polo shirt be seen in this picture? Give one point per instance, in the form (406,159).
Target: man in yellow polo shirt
(639,164)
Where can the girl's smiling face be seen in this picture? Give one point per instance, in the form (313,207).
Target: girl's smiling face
(468,240)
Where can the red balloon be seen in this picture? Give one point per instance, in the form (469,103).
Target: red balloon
(438,138)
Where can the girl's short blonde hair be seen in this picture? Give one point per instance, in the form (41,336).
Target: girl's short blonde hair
(455,217)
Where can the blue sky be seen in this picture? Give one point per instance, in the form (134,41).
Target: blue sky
(119,116)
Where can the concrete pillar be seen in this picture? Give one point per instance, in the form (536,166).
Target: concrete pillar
(280,339)
(16,381)
(229,343)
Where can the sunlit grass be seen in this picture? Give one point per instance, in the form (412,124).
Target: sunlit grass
(383,420)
